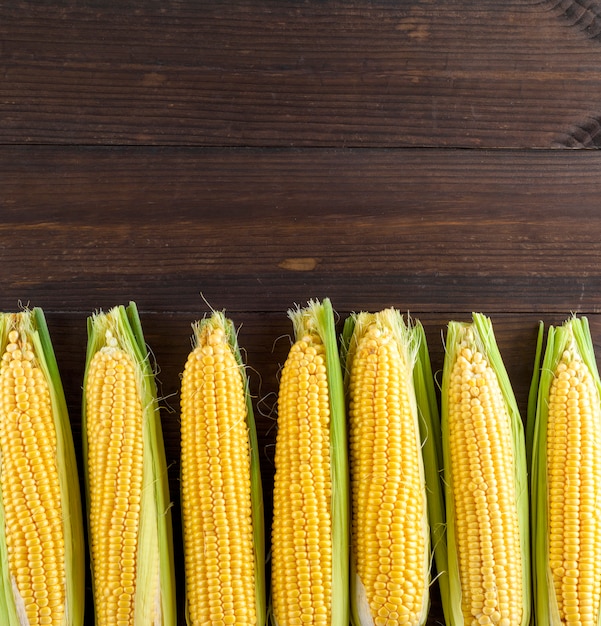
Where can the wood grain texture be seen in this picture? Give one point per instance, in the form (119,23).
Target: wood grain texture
(258,230)
(462,73)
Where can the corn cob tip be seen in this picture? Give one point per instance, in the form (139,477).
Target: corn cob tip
(220,482)
(39,488)
(485,479)
(390,534)
(310,512)
(131,552)
(566,479)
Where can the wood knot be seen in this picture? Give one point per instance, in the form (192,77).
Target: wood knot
(584,15)
(299,264)
(587,134)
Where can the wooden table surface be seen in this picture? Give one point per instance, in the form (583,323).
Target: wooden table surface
(439,157)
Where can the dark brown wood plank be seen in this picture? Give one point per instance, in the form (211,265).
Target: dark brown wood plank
(258,230)
(364,74)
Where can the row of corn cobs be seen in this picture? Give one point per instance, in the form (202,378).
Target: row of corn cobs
(371,487)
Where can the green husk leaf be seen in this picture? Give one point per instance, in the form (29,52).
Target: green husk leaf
(31,325)
(347,351)
(533,393)
(155,582)
(574,334)
(319,317)
(258,515)
(219,319)
(482,334)
(346,343)
(427,405)
(326,328)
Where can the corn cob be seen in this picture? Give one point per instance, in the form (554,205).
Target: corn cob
(390,409)
(222,507)
(131,553)
(310,498)
(486,483)
(41,526)
(566,480)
